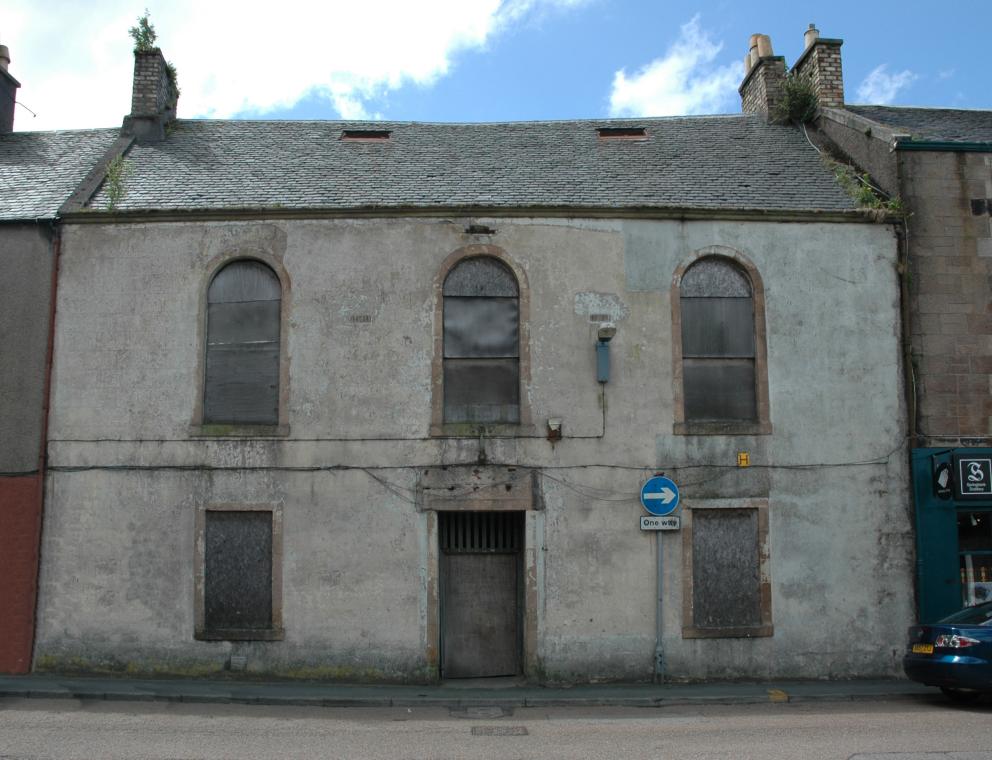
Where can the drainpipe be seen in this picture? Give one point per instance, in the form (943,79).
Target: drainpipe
(46,407)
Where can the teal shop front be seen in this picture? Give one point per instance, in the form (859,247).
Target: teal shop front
(952,489)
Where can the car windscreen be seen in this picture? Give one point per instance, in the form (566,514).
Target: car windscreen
(980,614)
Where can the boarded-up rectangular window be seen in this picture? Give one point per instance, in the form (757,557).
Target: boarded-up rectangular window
(728,593)
(238,591)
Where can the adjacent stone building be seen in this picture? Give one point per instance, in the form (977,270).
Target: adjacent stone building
(38,172)
(937,164)
(375,401)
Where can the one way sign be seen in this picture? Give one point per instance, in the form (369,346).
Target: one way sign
(660,496)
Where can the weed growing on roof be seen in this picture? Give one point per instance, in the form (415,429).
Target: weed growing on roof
(143,34)
(799,103)
(170,70)
(119,170)
(859,186)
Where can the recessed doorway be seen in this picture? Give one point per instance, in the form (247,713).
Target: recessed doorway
(481,593)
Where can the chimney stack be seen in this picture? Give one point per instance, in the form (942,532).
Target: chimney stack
(764,72)
(820,64)
(8,93)
(153,97)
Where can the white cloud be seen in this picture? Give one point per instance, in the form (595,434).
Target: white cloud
(881,88)
(684,81)
(74,59)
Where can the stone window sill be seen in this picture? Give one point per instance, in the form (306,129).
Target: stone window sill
(746,632)
(722,427)
(241,634)
(214,430)
(484,430)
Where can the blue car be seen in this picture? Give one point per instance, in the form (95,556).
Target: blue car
(954,654)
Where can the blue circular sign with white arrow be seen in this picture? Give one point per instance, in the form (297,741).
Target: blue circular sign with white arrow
(660,495)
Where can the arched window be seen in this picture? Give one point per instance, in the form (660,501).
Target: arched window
(241,384)
(718,342)
(481,342)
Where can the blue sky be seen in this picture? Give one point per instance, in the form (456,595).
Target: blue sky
(476,60)
(563,64)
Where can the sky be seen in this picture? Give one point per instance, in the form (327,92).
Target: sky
(474,60)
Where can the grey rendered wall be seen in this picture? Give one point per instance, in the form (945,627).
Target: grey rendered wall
(127,478)
(25,287)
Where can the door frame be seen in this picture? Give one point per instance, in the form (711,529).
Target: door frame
(481,488)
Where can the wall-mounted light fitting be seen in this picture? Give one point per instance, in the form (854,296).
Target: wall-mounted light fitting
(604,335)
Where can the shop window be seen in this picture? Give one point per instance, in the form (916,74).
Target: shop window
(727,592)
(239,579)
(975,556)
(481,326)
(720,358)
(242,366)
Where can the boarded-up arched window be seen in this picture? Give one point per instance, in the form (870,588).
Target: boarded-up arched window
(242,362)
(718,342)
(481,342)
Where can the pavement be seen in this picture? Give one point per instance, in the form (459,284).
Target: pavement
(455,694)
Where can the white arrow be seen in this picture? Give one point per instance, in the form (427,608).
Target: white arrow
(665,494)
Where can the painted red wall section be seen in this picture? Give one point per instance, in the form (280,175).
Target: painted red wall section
(20,540)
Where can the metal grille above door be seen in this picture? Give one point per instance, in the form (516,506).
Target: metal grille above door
(478,532)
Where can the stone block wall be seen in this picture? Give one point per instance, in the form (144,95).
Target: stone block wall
(761,90)
(948,195)
(821,64)
(152,92)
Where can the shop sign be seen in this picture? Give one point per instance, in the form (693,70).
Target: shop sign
(974,477)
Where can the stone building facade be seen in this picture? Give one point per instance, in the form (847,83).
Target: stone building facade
(352,419)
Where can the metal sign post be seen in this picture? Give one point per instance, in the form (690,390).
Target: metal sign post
(659,497)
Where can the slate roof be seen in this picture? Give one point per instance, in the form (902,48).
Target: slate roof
(932,124)
(706,162)
(39,170)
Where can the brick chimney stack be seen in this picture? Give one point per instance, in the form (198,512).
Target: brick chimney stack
(820,63)
(764,72)
(153,98)
(8,93)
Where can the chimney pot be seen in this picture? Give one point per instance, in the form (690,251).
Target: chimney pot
(812,35)
(4,57)
(764,46)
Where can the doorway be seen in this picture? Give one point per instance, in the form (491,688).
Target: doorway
(481,593)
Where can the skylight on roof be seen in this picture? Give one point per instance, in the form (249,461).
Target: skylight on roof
(622,133)
(365,134)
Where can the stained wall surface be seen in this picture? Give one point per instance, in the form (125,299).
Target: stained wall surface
(131,465)
(25,288)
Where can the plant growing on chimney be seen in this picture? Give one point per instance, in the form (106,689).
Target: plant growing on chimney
(143,34)
(799,102)
(119,171)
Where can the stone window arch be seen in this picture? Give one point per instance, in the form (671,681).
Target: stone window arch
(244,369)
(481,363)
(720,378)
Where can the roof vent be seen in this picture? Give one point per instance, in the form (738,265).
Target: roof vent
(365,135)
(622,133)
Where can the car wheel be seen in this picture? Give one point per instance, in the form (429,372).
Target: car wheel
(961,696)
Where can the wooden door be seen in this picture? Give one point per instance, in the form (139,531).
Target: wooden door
(480,594)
